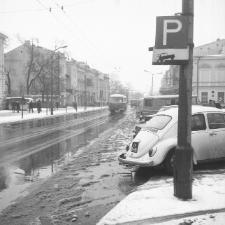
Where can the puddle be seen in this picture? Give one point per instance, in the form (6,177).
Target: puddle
(16,177)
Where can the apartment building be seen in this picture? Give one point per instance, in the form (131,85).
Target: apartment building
(2,74)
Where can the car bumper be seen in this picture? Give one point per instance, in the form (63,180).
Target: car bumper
(122,159)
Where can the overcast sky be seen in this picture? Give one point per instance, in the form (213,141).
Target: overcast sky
(110,35)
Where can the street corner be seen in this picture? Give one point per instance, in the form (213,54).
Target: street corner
(155,201)
(206,219)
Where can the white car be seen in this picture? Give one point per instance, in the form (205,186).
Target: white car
(155,143)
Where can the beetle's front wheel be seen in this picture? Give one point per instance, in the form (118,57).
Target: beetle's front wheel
(169,162)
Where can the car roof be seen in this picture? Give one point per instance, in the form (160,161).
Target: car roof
(195,109)
(117,95)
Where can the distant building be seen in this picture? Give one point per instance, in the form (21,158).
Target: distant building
(2,74)
(72,80)
(208,81)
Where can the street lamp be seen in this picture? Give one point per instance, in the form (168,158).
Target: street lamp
(52,77)
(152,79)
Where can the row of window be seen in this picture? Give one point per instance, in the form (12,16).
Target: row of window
(205,98)
(205,75)
(215,121)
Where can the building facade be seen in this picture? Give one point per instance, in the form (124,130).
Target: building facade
(70,80)
(208,79)
(2,73)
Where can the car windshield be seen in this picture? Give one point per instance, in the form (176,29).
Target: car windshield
(163,109)
(158,122)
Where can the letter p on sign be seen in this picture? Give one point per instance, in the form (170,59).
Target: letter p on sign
(171,32)
(166,30)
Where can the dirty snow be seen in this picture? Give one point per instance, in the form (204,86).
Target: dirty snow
(157,200)
(7,116)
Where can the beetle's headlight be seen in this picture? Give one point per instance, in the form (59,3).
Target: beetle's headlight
(152,151)
(127,147)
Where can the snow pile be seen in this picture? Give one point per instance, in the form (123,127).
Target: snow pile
(157,200)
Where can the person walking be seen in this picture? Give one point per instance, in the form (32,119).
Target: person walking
(13,105)
(75,105)
(57,105)
(18,107)
(31,106)
(39,106)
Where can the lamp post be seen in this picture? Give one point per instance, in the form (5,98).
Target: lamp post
(52,77)
(22,100)
(152,79)
(85,90)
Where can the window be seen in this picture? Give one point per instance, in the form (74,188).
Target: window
(216,120)
(198,122)
(204,76)
(204,97)
(221,97)
(221,75)
(148,102)
(158,122)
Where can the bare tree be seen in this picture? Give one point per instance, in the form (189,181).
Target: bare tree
(39,65)
(10,72)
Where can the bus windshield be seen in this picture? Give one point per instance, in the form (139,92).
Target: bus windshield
(117,99)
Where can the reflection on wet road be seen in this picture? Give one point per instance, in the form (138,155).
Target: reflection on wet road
(90,155)
(16,175)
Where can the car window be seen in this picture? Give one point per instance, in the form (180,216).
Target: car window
(158,122)
(198,122)
(148,102)
(216,120)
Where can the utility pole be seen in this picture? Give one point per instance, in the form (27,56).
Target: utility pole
(51,89)
(183,170)
(152,85)
(85,89)
(59,75)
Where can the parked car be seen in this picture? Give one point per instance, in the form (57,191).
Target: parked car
(155,143)
(143,120)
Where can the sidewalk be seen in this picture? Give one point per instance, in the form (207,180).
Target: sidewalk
(154,203)
(7,116)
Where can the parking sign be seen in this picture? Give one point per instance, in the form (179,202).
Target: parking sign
(171,42)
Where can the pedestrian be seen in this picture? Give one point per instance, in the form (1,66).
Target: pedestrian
(53,105)
(57,105)
(31,106)
(217,105)
(13,105)
(75,105)
(18,107)
(211,103)
(39,106)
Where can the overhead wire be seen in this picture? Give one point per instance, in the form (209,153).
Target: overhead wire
(49,9)
(62,8)
(31,10)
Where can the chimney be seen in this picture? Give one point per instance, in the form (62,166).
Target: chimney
(27,42)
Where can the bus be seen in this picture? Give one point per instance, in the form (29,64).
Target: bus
(151,104)
(133,102)
(117,102)
(23,103)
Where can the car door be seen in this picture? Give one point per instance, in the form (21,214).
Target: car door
(216,123)
(200,137)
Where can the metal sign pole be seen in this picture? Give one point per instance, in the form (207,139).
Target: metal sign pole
(183,171)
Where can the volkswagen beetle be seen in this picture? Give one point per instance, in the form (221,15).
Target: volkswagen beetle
(155,143)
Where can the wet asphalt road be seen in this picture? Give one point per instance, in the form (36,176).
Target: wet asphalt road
(78,179)
(83,165)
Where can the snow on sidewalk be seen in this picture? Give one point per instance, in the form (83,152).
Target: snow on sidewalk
(155,199)
(7,116)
